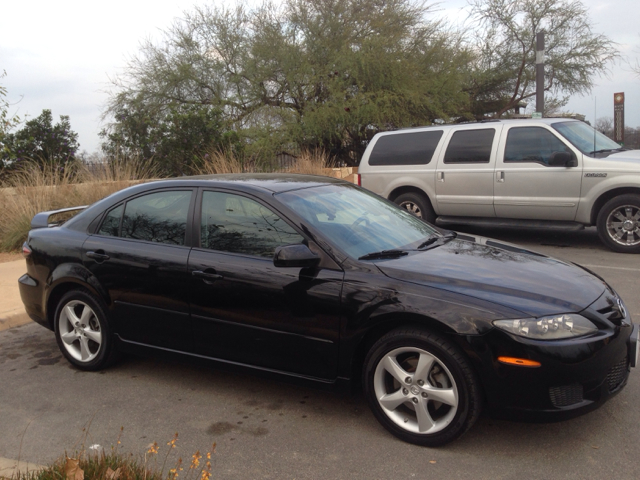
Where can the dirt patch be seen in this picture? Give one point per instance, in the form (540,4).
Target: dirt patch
(10,256)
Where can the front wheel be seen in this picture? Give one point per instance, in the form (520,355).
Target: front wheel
(421,387)
(82,331)
(619,223)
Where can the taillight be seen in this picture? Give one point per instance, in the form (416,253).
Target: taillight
(358,179)
(26,251)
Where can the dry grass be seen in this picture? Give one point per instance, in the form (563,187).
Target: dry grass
(154,465)
(217,162)
(312,162)
(308,162)
(34,189)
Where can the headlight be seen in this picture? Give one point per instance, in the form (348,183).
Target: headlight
(552,327)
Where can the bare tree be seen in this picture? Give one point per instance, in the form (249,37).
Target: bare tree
(504,74)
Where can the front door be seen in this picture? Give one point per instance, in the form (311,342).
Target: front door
(246,310)
(526,186)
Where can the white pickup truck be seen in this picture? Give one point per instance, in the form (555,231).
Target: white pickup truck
(543,173)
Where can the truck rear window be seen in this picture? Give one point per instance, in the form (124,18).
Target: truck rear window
(415,148)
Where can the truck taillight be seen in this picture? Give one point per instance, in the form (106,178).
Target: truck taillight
(358,179)
(26,251)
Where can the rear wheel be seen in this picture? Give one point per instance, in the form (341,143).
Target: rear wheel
(82,331)
(421,387)
(619,223)
(418,205)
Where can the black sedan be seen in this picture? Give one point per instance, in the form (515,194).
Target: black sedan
(318,280)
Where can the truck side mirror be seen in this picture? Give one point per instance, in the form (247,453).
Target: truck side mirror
(563,159)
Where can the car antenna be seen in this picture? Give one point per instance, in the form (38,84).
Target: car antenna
(595,121)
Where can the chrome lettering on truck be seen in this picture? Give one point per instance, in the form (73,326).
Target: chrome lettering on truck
(595,174)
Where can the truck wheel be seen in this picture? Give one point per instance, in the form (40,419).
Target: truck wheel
(619,223)
(418,205)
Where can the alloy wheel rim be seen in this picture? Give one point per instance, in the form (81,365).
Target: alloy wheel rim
(80,331)
(623,225)
(415,390)
(412,208)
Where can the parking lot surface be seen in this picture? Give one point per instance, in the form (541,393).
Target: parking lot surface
(268,429)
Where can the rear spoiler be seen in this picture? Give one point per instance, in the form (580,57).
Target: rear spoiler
(41,220)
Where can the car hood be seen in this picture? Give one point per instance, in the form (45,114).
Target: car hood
(501,273)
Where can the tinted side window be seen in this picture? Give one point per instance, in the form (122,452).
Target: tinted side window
(532,144)
(111,223)
(470,146)
(414,148)
(236,224)
(157,217)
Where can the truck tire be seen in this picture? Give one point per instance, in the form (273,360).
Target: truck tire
(619,223)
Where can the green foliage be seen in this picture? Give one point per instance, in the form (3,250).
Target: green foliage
(503,75)
(41,141)
(176,137)
(304,74)
(7,121)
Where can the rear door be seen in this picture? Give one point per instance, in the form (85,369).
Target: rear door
(246,310)
(139,255)
(526,186)
(464,176)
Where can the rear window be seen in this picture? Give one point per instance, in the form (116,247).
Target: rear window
(470,146)
(415,148)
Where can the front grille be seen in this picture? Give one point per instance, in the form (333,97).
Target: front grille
(617,374)
(566,395)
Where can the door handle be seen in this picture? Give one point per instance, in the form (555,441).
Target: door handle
(208,276)
(98,256)
(500,177)
(441,176)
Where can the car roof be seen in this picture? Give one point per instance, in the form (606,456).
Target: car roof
(483,123)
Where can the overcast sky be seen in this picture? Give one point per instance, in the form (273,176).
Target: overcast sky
(60,54)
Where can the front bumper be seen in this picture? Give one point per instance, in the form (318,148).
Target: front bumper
(575,375)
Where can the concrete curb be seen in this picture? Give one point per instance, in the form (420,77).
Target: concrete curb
(9,468)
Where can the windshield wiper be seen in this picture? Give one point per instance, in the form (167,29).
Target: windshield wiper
(383,254)
(605,150)
(434,238)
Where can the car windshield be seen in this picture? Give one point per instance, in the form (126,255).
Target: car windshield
(585,138)
(357,221)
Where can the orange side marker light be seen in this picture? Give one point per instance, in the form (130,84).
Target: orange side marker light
(520,362)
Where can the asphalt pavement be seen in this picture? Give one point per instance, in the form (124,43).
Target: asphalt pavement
(269,429)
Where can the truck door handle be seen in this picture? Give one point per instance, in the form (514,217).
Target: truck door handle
(98,256)
(208,276)
(500,177)
(441,176)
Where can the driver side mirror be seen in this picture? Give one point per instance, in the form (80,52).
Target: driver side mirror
(563,159)
(295,256)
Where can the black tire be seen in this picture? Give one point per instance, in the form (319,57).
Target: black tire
(434,406)
(619,223)
(80,321)
(418,205)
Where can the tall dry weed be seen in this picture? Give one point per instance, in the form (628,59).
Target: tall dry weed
(36,189)
(222,161)
(312,162)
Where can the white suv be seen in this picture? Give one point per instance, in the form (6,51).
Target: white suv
(545,173)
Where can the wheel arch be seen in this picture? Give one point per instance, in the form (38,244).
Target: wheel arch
(396,192)
(608,195)
(69,277)
(385,325)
